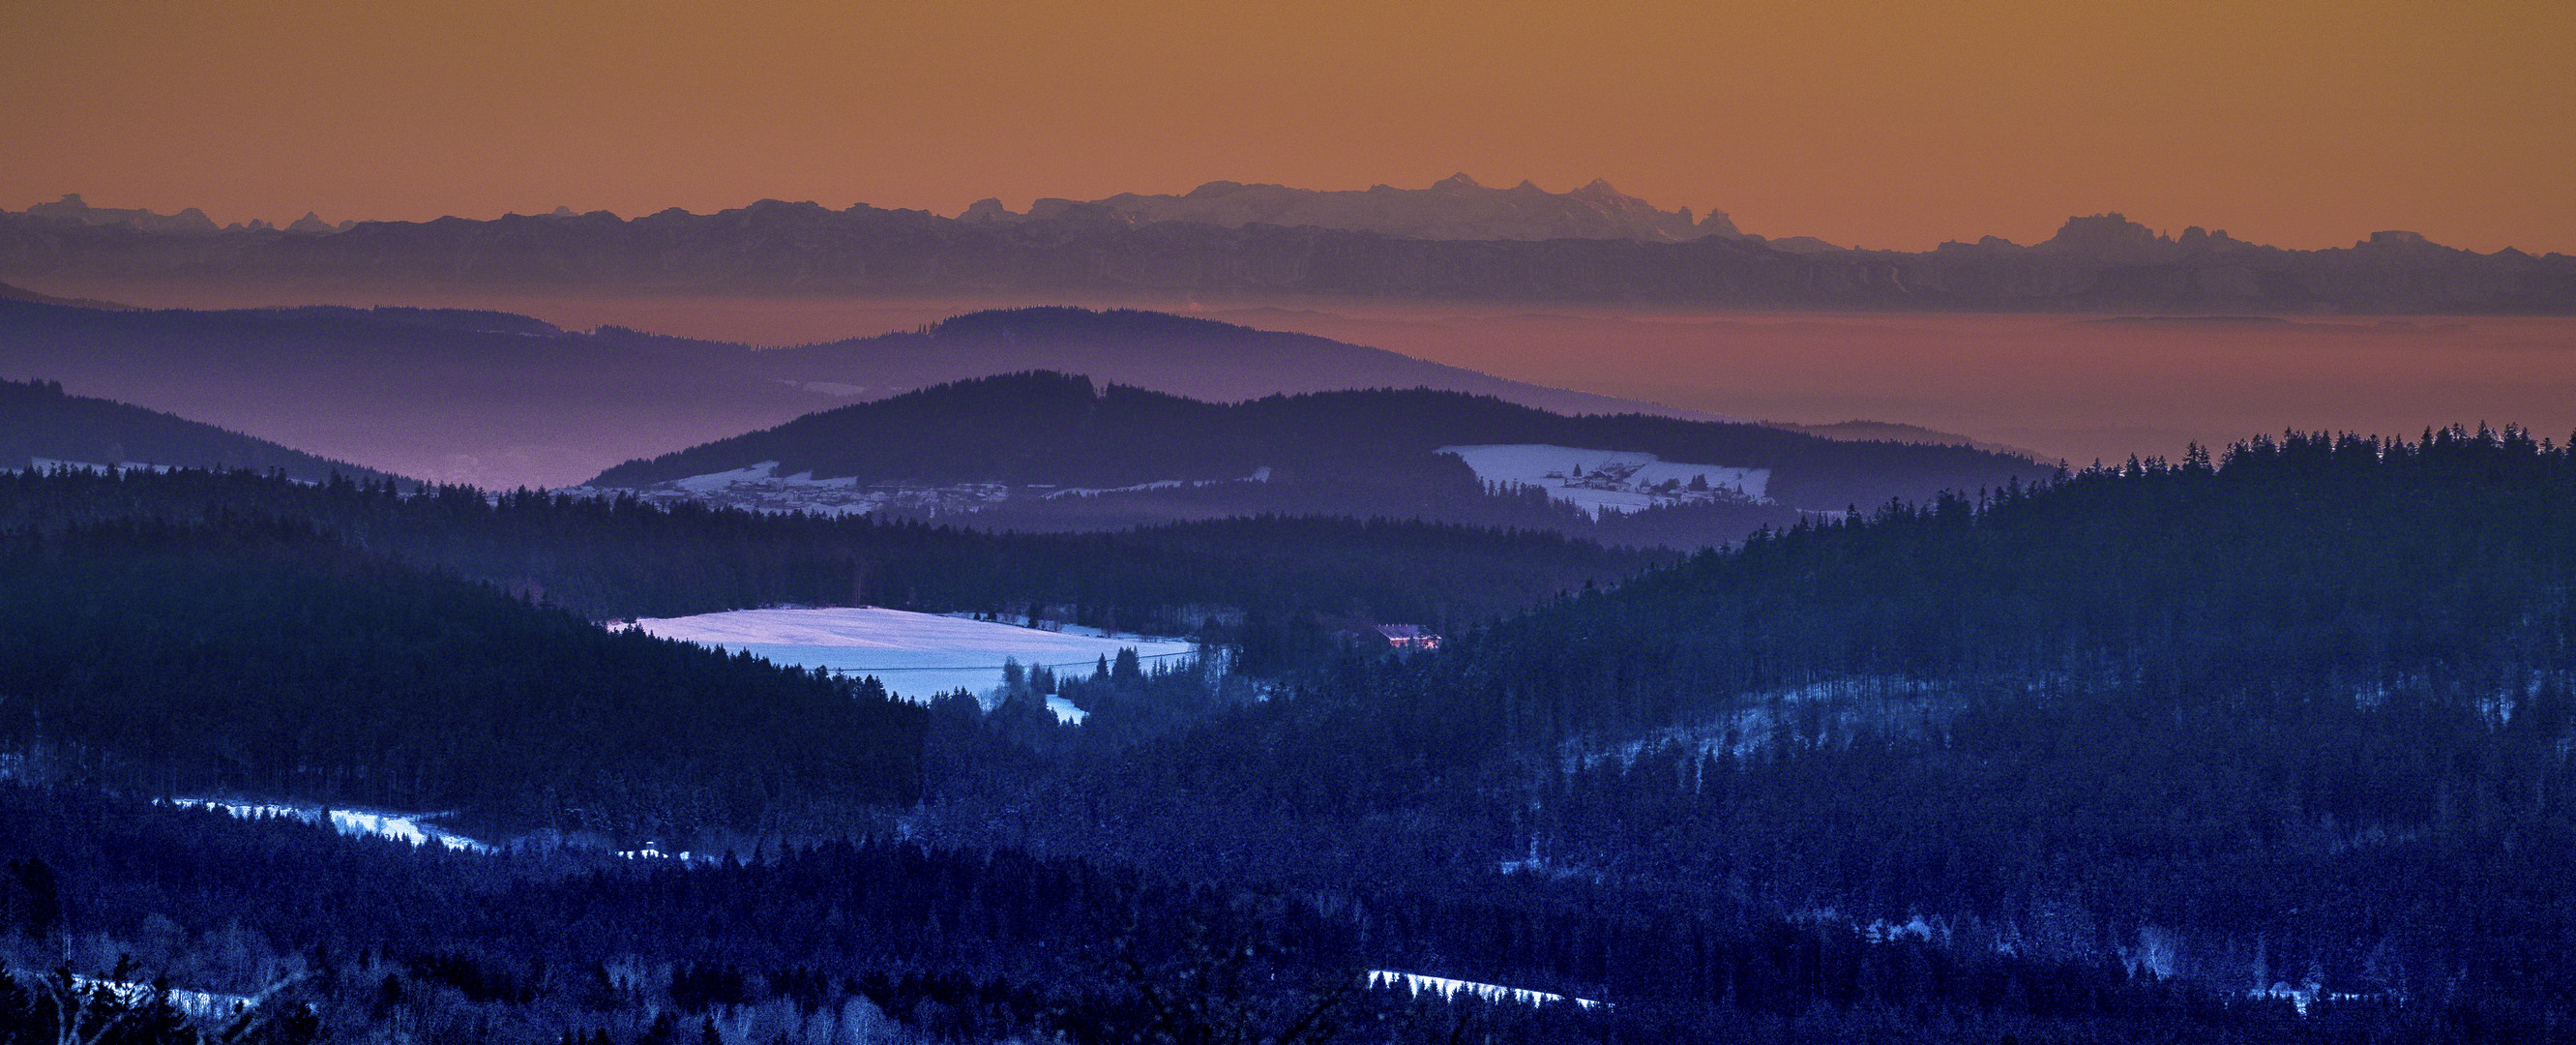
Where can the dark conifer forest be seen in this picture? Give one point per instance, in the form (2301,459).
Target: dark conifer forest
(2270,745)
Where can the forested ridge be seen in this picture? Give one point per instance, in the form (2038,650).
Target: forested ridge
(190,631)
(2266,746)
(890,941)
(1254,581)
(2300,717)
(259,657)
(39,422)
(1061,429)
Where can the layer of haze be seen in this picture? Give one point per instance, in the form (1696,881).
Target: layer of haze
(2078,388)
(1898,125)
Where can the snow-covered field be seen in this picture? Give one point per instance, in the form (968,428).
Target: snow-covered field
(1610,480)
(1259,475)
(1449,988)
(760,488)
(401,827)
(917,655)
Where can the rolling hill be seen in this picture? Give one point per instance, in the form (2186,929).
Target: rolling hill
(1044,450)
(501,400)
(40,425)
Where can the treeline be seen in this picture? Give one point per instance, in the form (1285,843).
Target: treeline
(2354,565)
(262,657)
(616,558)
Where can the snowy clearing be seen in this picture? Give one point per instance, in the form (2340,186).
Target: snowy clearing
(1610,480)
(401,827)
(917,655)
(764,472)
(1449,988)
(760,488)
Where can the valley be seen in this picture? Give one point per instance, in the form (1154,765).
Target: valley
(1491,523)
(1034,705)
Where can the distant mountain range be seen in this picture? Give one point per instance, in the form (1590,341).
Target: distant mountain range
(1452,208)
(42,427)
(74,210)
(1046,451)
(1453,241)
(502,400)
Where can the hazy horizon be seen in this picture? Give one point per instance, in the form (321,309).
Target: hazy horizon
(1886,126)
(2044,227)
(2060,385)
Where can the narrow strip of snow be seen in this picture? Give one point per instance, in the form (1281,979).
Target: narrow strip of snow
(1259,475)
(401,827)
(1449,988)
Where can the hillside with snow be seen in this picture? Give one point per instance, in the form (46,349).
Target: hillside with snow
(1048,451)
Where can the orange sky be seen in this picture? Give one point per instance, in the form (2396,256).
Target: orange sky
(1883,125)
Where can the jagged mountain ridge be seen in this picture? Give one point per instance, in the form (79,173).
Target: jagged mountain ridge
(72,209)
(2100,263)
(1455,207)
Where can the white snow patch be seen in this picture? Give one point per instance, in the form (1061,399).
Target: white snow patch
(1610,480)
(1449,988)
(1884,931)
(413,828)
(1065,711)
(917,655)
(194,1004)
